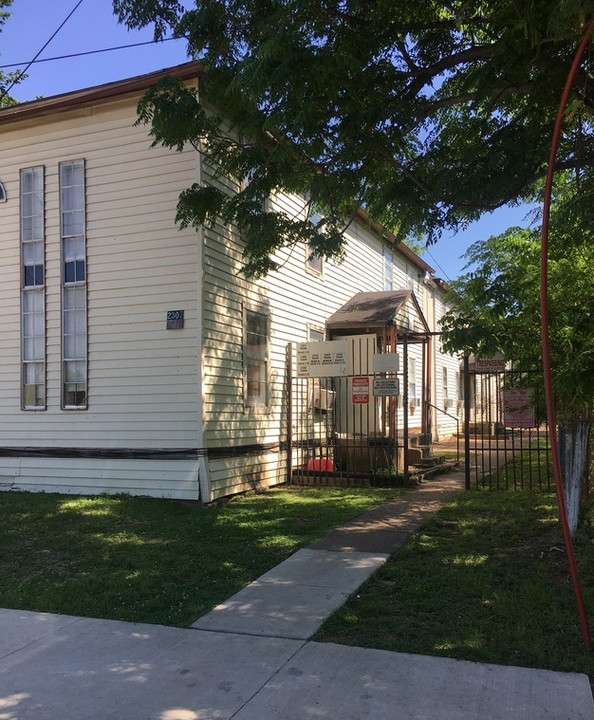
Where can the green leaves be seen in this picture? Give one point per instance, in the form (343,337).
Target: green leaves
(427,115)
(496,306)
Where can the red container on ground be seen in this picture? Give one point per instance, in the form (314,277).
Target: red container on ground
(321,464)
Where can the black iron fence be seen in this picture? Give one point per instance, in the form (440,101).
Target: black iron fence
(344,433)
(507,443)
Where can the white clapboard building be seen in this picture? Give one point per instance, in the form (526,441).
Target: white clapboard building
(135,358)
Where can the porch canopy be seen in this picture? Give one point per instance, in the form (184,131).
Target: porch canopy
(372,312)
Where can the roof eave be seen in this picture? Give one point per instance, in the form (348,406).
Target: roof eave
(390,237)
(107,91)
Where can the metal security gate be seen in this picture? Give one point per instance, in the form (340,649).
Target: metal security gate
(348,427)
(340,442)
(506,437)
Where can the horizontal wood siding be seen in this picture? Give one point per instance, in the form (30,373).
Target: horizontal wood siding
(158,478)
(296,300)
(143,379)
(447,425)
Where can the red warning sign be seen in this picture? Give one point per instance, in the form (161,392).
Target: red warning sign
(518,408)
(360,390)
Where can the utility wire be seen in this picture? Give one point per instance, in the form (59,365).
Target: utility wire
(5,91)
(86,52)
(438,265)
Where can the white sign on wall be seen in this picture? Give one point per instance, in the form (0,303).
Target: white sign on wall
(386,362)
(322,359)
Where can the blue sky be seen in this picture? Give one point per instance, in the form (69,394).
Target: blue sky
(93,26)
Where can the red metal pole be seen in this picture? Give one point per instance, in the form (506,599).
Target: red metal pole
(546,354)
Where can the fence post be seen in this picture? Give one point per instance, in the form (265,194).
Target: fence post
(466,423)
(405,426)
(289,370)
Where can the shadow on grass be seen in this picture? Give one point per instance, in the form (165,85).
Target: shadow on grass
(485,580)
(150,560)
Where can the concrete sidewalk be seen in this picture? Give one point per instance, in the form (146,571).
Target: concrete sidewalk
(250,659)
(294,598)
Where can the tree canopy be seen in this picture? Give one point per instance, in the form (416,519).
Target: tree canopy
(425,113)
(496,307)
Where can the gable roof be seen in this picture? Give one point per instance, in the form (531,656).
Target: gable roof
(372,310)
(87,96)
(130,86)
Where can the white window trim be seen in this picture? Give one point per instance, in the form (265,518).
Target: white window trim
(33,290)
(250,405)
(317,329)
(412,376)
(75,284)
(313,217)
(311,260)
(388,269)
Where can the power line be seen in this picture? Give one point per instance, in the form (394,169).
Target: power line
(23,72)
(438,265)
(86,52)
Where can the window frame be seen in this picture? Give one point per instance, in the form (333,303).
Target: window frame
(316,329)
(314,264)
(66,287)
(412,376)
(31,291)
(256,404)
(388,265)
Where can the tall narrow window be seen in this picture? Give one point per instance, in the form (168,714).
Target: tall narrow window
(314,264)
(388,270)
(74,285)
(256,359)
(412,377)
(32,233)
(444,382)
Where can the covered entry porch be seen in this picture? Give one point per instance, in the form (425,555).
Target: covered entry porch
(360,401)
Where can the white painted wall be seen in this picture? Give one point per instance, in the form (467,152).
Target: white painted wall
(142,385)
(296,300)
(145,382)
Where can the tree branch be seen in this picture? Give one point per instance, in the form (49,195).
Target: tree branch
(446,102)
(477,52)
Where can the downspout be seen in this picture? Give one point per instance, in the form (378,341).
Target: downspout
(405,426)
(424,398)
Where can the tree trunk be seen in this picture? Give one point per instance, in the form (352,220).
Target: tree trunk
(573,446)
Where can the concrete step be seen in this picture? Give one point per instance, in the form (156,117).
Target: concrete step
(419,439)
(429,461)
(423,473)
(419,453)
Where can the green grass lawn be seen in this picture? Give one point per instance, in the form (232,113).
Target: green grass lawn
(151,560)
(485,580)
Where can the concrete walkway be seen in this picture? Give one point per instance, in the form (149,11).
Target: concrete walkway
(250,658)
